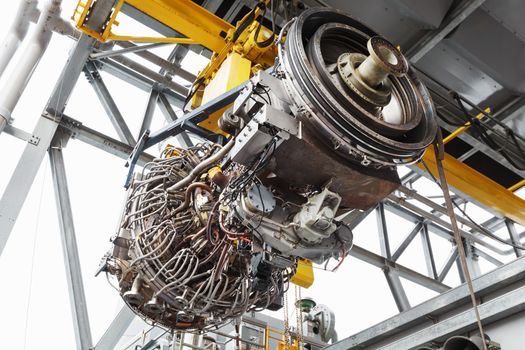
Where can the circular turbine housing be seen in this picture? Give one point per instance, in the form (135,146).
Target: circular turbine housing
(376,111)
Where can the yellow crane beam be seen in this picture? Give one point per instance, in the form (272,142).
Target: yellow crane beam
(478,187)
(189,19)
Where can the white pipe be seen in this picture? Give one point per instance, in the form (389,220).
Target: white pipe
(36,46)
(17,32)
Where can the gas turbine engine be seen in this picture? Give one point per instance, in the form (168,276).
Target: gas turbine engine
(211,232)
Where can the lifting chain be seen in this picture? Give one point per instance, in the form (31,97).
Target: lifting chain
(286,323)
(299,316)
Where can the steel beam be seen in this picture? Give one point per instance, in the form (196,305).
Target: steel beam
(18,133)
(70,249)
(144,83)
(171,116)
(402,271)
(472,260)
(515,109)
(69,76)
(406,241)
(103,142)
(356,217)
(176,56)
(160,28)
(452,258)
(514,237)
(427,313)
(163,81)
(185,123)
(187,18)
(126,49)
(25,172)
(391,275)
(382,230)
(166,65)
(437,210)
(462,10)
(28,165)
(149,112)
(480,253)
(491,311)
(195,116)
(116,329)
(397,290)
(428,253)
(112,111)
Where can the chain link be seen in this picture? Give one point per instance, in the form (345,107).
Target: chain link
(286,323)
(299,317)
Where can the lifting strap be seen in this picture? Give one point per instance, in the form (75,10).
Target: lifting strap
(439,152)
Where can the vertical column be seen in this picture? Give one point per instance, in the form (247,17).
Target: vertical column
(150,110)
(383,232)
(25,172)
(392,278)
(429,254)
(69,246)
(472,260)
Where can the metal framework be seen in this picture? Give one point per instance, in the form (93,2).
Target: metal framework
(54,129)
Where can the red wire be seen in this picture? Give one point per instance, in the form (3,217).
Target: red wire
(340,261)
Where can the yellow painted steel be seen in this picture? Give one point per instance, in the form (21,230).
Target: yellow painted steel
(304,276)
(293,346)
(462,129)
(244,45)
(189,19)
(186,17)
(267,337)
(478,187)
(234,71)
(517,186)
(232,63)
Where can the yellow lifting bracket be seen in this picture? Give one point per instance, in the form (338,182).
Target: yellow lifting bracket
(237,62)
(304,275)
(238,53)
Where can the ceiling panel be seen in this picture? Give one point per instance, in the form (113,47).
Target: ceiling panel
(387,17)
(510,13)
(429,13)
(492,48)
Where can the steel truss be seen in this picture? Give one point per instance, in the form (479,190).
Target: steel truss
(54,129)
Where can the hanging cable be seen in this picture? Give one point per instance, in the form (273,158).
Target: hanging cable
(480,131)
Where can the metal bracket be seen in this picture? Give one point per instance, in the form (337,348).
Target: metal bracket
(34,140)
(134,156)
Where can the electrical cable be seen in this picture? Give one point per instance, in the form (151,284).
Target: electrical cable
(479,130)
(271,39)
